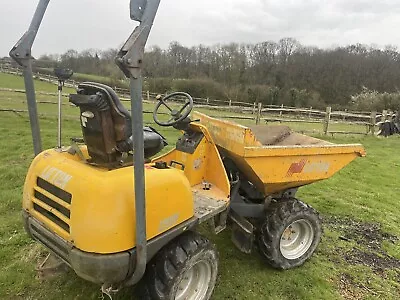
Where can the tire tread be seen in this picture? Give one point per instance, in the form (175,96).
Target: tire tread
(270,231)
(163,269)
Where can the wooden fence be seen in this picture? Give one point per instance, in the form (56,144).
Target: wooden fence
(256,113)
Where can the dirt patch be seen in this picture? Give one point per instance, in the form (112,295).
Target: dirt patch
(369,238)
(47,265)
(377,262)
(50,267)
(353,290)
(278,135)
(270,135)
(369,235)
(34,252)
(348,289)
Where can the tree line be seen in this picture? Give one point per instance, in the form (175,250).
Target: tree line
(283,72)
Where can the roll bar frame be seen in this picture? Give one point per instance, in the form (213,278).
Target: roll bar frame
(130,61)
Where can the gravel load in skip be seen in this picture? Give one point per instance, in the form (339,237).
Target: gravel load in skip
(277,135)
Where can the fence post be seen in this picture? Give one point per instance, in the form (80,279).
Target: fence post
(281,112)
(259,111)
(230,102)
(208,101)
(310,113)
(148,96)
(327,119)
(373,122)
(344,116)
(254,108)
(384,115)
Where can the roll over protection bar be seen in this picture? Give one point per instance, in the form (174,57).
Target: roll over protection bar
(129,60)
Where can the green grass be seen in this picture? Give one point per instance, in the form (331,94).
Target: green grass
(17,82)
(91,77)
(366,191)
(17,101)
(81,76)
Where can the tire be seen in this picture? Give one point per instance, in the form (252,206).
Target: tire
(290,234)
(186,269)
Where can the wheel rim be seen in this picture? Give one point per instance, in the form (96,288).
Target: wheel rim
(195,282)
(296,239)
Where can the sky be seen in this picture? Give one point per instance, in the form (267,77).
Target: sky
(103,24)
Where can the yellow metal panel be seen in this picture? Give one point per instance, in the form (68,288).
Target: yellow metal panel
(275,174)
(228,135)
(276,168)
(204,165)
(102,208)
(214,192)
(215,170)
(280,151)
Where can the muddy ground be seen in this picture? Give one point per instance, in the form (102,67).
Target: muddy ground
(365,240)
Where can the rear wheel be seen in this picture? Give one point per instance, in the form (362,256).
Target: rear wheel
(186,269)
(290,234)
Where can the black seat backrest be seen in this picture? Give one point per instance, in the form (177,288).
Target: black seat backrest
(120,115)
(105,121)
(106,125)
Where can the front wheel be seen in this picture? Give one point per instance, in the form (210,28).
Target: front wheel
(290,234)
(186,269)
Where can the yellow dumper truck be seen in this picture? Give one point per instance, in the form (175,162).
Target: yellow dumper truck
(119,217)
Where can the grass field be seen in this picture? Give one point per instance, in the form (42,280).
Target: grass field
(358,258)
(79,77)
(17,101)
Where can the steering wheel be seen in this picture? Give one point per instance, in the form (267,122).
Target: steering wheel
(176,115)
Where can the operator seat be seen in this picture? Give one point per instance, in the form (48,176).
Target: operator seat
(106,125)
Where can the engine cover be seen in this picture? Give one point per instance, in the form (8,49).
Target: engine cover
(93,208)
